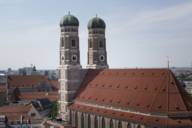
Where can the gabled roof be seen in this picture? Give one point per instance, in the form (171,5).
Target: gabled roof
(26,81)
(15,108)
(14,112)
(147,91)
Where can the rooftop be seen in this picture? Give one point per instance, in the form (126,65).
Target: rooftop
(145,91)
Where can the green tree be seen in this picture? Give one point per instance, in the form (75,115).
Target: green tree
(54,111)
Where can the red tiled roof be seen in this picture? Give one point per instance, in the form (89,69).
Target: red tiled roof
(14,112)
(15,108)
(55,84)
(133,117)
(52,96)
(26,81)
(154,91)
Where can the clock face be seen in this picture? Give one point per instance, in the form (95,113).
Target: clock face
(102,58)
(74,58)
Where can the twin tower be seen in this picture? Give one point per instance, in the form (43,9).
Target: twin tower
(71,72)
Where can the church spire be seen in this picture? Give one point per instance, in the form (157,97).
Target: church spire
(97,54)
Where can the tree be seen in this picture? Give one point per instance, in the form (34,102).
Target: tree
(54,111)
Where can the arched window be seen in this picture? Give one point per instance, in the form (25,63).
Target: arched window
(101,44)
(138,126)
(128,125)
(82,120)
(103,122)
(96,122)
(73,43)
(76,119)
(89,121)
(111,123)
(62,42)
(119,124)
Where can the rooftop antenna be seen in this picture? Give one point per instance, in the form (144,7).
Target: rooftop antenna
(168,62)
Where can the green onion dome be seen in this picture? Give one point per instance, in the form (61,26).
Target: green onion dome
(69,20)
(96,22)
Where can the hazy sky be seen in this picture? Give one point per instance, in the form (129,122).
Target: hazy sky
(140,33)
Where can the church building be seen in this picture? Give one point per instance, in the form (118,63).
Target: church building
(100,97)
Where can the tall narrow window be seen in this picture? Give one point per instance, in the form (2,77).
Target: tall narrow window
(103,123)
(128,125)
(82,120)
(119,124)
(76,119)
(62,42)
(89,121)
(90,44)
(101,45)
(96,122)
(138,126)
(111,123)
(73,43)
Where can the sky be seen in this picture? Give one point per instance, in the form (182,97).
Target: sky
(139,33)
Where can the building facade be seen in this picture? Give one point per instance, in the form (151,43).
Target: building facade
(99,97)
(70,67)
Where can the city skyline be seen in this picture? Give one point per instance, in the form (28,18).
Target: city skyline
(139,34)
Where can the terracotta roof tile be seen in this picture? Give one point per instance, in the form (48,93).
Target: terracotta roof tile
(14,112)
(153,91)
(155,88)
(133,117)
(26,81)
